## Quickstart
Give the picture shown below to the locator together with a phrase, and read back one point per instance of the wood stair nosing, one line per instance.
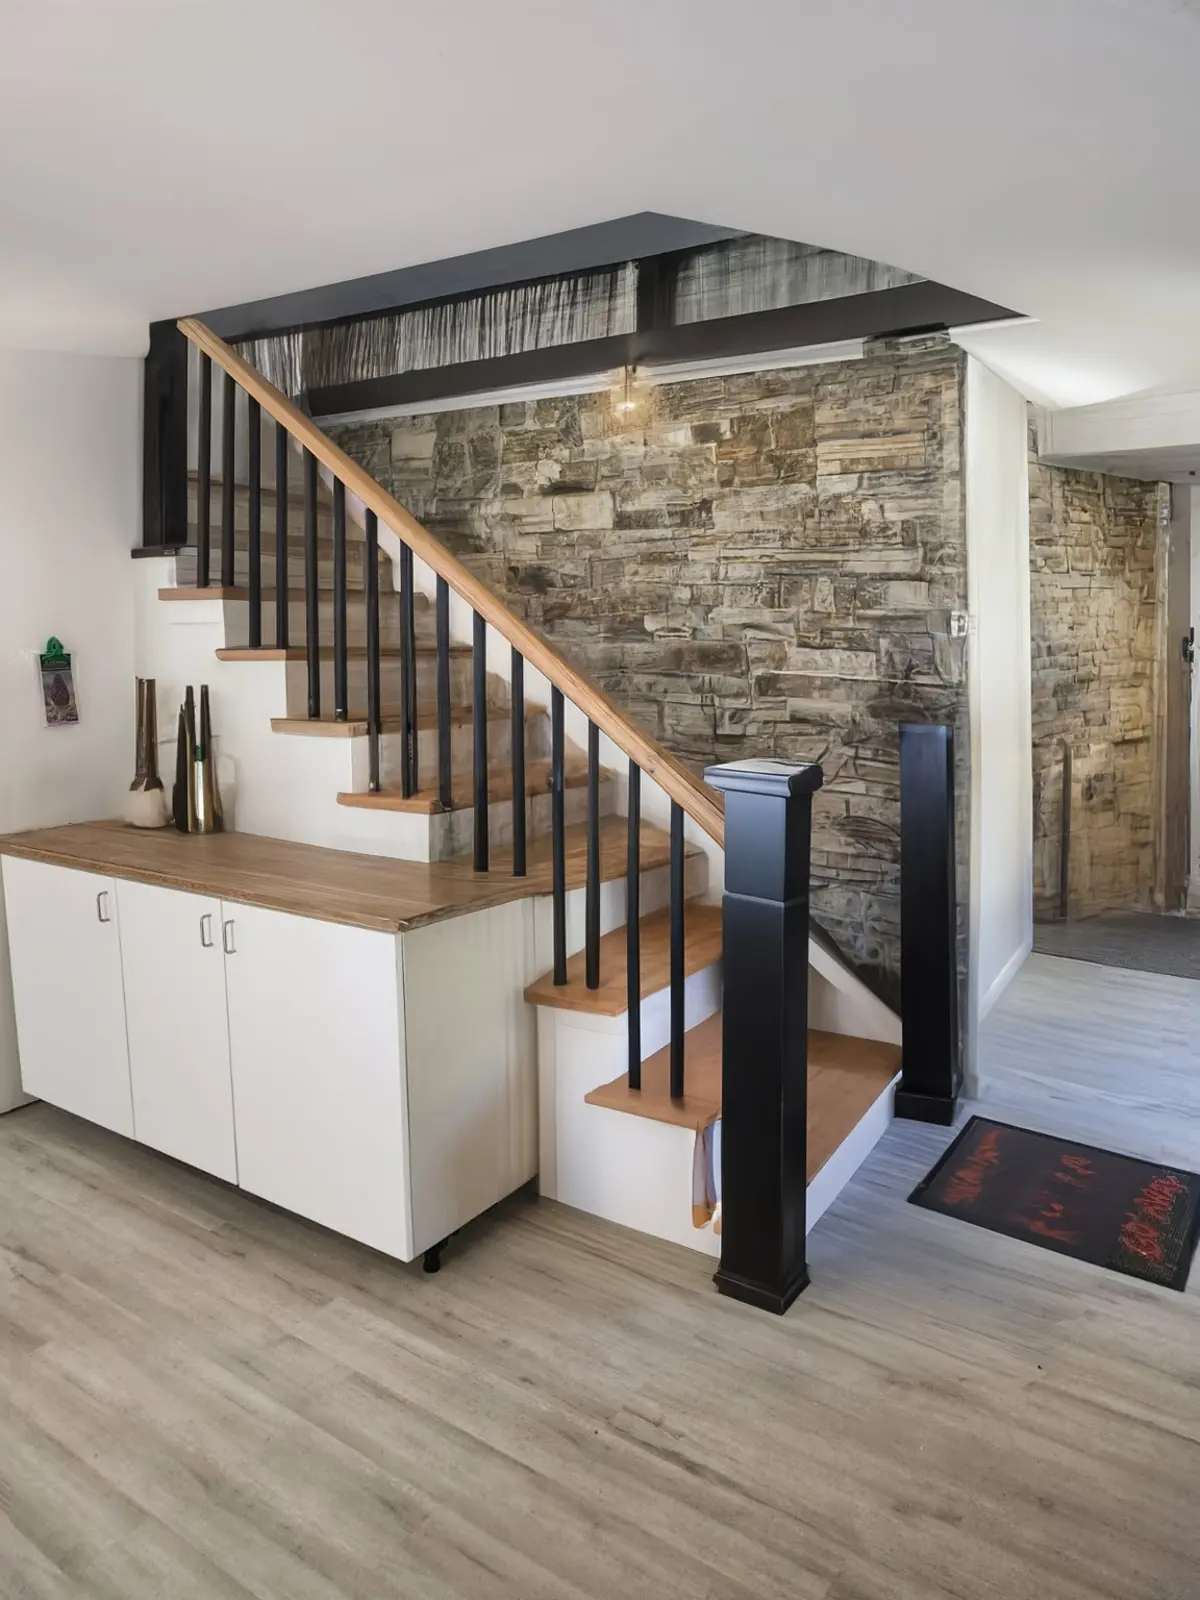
(702, 946)
(462, 797)
(846, 1076)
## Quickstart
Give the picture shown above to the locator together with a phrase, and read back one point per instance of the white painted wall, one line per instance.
(1193, 900)
(997, 511)
(70, 487)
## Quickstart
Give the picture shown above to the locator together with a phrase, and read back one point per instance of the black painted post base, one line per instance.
(916, 1107)
(754, 1294)
(764, 1069)
(931, 1075)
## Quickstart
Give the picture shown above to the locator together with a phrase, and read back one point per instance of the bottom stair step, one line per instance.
(846, 1076)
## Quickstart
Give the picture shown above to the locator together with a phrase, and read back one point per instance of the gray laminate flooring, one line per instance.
(200, 1397)
(1139, 940)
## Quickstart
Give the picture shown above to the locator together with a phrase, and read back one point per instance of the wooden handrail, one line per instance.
(697, 799)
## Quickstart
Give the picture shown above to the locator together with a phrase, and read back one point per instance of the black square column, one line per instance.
(764, 1107)
(931, 1075)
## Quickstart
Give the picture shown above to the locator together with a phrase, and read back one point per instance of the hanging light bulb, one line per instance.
(627, 401)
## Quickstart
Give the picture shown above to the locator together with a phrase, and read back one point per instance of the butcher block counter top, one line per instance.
(361, 891)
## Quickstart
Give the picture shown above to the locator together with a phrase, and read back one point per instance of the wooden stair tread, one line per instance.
(462, 796)
(354, 652)
(846, 1076)
(702, 946)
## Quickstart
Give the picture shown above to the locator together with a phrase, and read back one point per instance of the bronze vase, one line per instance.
(146, 806)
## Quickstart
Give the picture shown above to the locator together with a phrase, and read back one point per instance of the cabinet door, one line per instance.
(178, 1026)
(318, 1075)
(65, 951)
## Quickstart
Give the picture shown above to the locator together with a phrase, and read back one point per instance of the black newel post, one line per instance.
(164, 439)
(764, 1128)
(932, 1070)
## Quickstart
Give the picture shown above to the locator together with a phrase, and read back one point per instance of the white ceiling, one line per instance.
(160, 156)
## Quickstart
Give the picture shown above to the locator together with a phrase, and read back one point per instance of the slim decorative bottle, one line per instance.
(206, 796)
(146, 806)
(185, 750)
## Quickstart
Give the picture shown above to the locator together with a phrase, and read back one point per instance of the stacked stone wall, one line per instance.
(1095, 608)
(755, 565)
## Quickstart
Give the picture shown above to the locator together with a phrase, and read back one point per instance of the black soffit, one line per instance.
(901, 312)
(555, 255)
(658, 243)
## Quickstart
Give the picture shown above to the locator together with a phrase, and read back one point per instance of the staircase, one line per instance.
(382, 701)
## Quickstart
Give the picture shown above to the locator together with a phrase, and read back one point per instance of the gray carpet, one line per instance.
(1137, 940)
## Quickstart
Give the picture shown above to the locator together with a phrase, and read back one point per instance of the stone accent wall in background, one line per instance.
(753, 565)
(1094, 595)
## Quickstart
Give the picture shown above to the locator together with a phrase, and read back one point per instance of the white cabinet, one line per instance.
(178, 1026)
(65, 952)
(317, 1042)
(382, 1084)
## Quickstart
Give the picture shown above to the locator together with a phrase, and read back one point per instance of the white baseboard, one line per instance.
(849, 1156)
(1005, 976)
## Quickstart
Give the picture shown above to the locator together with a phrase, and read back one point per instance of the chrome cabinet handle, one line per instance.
(102, 914)
(206, 934)
(227, 943)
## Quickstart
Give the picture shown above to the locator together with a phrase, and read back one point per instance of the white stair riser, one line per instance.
(237, 625)
(461, 685)
(187, 568)
(629, 1169)
(241, 516)
(462, 750)
(452, 833)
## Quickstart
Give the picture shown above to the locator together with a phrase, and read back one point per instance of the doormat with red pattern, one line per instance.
(1114, 1211)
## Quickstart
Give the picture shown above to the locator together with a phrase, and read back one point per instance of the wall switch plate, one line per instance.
(960, 624)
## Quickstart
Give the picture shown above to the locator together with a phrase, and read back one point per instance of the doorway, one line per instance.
(1112, 612)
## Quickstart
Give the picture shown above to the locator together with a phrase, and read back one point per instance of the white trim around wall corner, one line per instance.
(1004, 977)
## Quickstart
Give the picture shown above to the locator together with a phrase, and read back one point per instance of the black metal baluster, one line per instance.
(228, 419)
(479, 714)
(281, 537)
(677, 963)
(517, 737)
(204, 473)
(312, 623)
(254, 443)
(445, 737)
(341, 669)
(371, 572)
(633, 927)
(558, 835)
(591, 917)
(408, 639)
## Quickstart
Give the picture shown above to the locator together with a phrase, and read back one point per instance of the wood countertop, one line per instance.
(362, 891)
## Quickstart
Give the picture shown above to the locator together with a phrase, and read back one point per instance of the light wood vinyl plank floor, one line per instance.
(202, 1397)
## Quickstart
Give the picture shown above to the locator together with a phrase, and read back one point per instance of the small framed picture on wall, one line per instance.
(58, 686)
